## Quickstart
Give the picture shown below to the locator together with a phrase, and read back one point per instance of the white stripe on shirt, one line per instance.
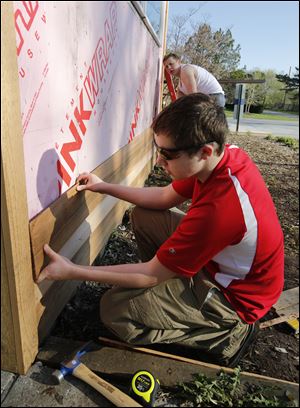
(235, 261)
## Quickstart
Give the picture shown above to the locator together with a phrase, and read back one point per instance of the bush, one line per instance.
(253, 108)
(229, 106)
(256, 109)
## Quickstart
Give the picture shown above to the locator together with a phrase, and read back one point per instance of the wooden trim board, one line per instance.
(19, 341)
(278, 320)
(122, 360)
(287, 308)
(288, 298)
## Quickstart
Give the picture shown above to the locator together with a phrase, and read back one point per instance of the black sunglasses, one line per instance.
(168, 153)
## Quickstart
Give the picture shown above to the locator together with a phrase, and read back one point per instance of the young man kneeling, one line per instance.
(208, 275)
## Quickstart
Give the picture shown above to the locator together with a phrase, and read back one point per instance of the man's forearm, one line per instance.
(126, 275)
(139, 275)
(147, 197)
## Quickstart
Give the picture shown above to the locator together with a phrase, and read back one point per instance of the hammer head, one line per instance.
(68, 365)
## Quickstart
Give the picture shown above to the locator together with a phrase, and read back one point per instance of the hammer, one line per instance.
(74, 366)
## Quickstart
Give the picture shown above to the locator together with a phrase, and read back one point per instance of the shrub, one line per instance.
(256, 109)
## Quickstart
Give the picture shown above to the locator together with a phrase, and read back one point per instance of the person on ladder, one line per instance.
(193, 78)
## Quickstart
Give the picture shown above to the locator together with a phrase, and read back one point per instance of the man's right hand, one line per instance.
(59, 267)
(88, 181)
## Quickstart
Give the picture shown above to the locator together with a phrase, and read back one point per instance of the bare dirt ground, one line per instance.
(275, 351)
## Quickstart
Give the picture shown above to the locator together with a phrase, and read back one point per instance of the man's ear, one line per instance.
(207, 151)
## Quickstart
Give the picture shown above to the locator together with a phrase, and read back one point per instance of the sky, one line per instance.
(267, 31)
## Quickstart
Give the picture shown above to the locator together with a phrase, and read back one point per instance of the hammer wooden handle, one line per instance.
(112, 393)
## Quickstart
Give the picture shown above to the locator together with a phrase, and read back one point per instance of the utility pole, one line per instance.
(239, 102)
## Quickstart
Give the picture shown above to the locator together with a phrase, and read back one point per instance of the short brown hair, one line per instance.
(171, 55)
(193, 120)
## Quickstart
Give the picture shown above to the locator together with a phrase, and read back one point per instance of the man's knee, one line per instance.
(111, 308)
(104, 307)
(138, 216)
(116, 314)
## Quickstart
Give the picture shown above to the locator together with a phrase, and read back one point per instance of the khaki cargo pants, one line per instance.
(188, 311)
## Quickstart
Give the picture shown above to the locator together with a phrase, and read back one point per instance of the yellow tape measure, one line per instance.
(144, 387)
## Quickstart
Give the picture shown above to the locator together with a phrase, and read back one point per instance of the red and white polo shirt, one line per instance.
(231, 229)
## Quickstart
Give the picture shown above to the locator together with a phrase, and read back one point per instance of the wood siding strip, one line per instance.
(60, 221)
(84, 231)
(85, 244)
(74, 247)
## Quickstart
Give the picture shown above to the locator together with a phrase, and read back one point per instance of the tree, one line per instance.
(255, 93)
(229, 89)
(291, 83)
(177, 37)
(273, 97)
(178, 32)
(291, 86)
(214, 51)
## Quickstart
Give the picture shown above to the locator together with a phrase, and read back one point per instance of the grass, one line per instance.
(263, 116)
(287, 141)
(283, 111)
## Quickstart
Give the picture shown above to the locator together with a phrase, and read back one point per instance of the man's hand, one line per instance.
(88, 181)
(59, 267)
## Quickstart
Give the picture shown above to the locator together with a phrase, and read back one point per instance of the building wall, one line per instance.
(82, 85)
(89, 75)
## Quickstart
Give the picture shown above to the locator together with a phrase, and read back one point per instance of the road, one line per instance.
(274, 127)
